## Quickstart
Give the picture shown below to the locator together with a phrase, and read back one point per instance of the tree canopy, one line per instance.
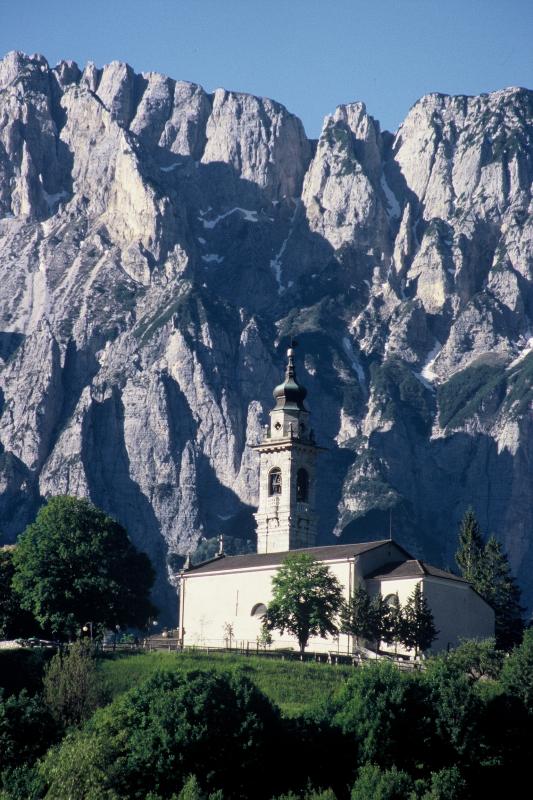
(486, 566)
(306, 599)
(14, 621)
(151, 738)
(357, 617)
(418, 628)
(470, 549)
(76, 564)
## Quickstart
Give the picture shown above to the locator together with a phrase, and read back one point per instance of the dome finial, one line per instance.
(289, 372)
(290, 394)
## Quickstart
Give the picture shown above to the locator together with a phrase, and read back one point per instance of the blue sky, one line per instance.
(310, 55)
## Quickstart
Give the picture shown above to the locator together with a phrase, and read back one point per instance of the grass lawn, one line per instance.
(292, 685)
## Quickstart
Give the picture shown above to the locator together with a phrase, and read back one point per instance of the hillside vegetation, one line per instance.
(229, 727)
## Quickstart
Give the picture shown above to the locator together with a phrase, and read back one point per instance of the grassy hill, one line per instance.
(292, 685)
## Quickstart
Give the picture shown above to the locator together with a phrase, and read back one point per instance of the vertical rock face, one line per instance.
(159, 246)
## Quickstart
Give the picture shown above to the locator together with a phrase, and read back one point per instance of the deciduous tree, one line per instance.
(72, 685)
(14, 621)
(306, 599)
(74, 564)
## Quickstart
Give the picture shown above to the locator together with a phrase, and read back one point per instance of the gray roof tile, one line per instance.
(251, 560)
(414, 568)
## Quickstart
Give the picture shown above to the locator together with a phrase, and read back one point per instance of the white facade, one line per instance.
(458, 611)
(231, 591)
(222, 601)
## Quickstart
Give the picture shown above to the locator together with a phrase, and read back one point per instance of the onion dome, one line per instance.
(290, 394)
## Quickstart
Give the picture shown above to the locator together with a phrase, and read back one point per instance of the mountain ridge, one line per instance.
(159, 245)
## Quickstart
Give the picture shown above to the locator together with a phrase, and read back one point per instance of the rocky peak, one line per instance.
(160, 245)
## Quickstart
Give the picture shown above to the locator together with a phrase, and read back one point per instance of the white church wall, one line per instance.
(459, 612)
(213, 601)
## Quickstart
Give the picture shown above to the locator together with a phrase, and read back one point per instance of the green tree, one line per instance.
(487, 568)
(470, 550)
(357, 616)
(374, 783)
(477, 658)
(375, 707)
(517, 672)
(72, 685)
(14, 621)
(385, 619)
(74, 564)
(418, 628)
(456, 711)
(153, 737)
(306, 599)
(498, 587)
(365, 617)
(446, 784)
(392, 621)
(26, 729)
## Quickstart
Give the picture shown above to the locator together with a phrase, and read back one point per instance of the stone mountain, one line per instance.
(159, 245)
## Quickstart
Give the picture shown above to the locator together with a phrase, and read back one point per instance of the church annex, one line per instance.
(222, 600)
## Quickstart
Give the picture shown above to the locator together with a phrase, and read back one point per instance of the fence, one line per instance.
(246, 648)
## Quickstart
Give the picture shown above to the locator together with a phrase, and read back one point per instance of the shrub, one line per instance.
(517, 672)
(152, 738)
(71, 683)
(391, 784)
(26, 729)
(376, 707)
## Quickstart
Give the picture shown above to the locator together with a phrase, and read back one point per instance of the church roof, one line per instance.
(413, 568)
(327, 553)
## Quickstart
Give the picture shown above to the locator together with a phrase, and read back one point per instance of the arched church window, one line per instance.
(302, 485)
(259, 610)
(274, 481)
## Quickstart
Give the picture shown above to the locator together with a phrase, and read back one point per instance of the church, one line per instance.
(222, 600)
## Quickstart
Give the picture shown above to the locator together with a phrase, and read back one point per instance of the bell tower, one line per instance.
(286, 518)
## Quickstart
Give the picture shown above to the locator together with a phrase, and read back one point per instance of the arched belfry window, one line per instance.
(302, 485)
(274, 481)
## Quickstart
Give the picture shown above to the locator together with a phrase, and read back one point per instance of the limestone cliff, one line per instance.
(159, 245)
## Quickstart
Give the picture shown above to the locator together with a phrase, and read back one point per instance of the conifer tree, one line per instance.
(487, 568)
(470, 551)
(393, 621)
(498, 587)
(357, 617)
(365, 617)
(418, 628)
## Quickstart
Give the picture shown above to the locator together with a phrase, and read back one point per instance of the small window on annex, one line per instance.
(274, 481)
(259, 610)
(302, 486)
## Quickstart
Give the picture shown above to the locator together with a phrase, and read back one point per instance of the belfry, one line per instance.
(286, 518)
